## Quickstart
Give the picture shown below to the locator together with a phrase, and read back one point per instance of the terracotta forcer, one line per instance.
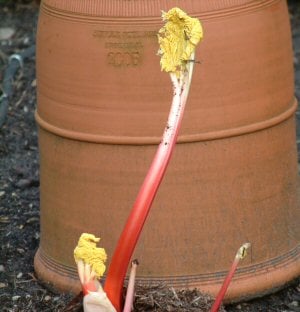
(102, 106)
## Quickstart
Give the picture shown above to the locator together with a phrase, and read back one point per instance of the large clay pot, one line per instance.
(102, 107)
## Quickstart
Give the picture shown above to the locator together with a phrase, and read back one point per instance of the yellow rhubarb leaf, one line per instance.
(177, 40)
(88, 252)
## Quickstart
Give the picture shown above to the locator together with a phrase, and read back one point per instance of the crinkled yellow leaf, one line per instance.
(178, 39)
(88, 251)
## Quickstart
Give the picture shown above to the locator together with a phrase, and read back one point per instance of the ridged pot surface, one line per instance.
(102, 107)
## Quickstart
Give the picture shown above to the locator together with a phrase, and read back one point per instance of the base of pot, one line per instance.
(248, 283)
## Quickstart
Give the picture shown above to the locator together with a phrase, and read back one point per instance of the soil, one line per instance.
(19, 192)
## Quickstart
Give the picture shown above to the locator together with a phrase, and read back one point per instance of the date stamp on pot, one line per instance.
(123, 59)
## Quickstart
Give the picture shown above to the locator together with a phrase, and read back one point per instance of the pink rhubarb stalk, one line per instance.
(241, 254)
(130, 289)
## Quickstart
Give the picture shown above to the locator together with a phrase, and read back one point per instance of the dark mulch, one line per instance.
(19, 194)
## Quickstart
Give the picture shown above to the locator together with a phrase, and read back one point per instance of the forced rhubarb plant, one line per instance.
(241, 254)
(90, 262)
(177, 40)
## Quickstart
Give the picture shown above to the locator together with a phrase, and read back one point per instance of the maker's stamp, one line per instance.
(125, 48)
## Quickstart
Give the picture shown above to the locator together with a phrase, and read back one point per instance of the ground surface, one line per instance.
(19, 190)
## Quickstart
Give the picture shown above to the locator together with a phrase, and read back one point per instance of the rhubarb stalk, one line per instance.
(130, 289)
(177, 39)
(241, 254)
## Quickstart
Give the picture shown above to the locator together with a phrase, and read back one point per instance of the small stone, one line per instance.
(23, 183)
(47, 298)
(3, 285)
(239, 307)
(19, 275)
(15, 298)
(2, 268)
(4, 219)
(26, 40)
(2, 193)
(6, 33)
(32, 220)
(294, 303)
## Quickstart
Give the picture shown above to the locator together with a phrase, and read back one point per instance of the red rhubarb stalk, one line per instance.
(135, 222)
(177, 44)
(241, 254)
